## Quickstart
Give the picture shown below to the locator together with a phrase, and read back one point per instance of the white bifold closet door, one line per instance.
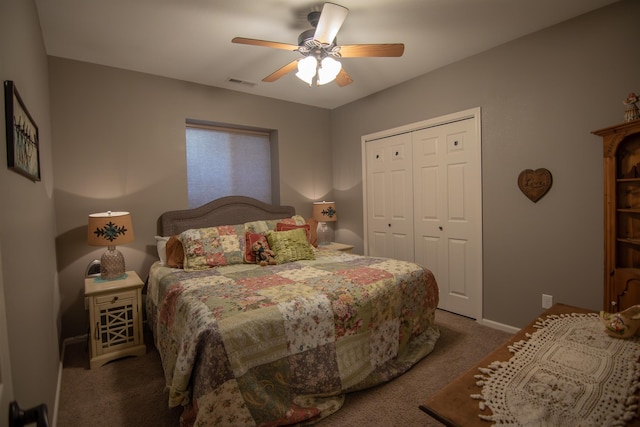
(390, 198)
(424, 204)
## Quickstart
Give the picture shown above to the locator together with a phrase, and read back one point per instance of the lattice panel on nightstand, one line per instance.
(117, 325)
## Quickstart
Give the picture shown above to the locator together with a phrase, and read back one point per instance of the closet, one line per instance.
(621, 161)
(423, 203)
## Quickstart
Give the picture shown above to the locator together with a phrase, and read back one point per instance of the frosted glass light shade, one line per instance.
(307, 69)
(328, 70)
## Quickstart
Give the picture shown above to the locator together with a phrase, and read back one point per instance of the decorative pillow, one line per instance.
(249, 240)
(296, 219)
(283, 226)
(175, 252)
(270, 224)
(161, 243)
(261, 227)
(211, 247)
(290, 245)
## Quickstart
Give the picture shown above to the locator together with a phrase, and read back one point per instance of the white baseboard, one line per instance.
(499, 326)
(65, 343)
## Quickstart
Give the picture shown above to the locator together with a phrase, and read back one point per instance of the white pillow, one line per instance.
(161, 243)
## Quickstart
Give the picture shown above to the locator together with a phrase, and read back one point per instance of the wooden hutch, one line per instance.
(621, 215)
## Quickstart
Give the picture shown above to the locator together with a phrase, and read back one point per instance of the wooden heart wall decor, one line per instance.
(534, 183)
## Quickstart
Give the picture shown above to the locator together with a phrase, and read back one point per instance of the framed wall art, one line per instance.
(23, 149)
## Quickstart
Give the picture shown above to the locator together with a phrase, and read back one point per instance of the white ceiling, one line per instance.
(191, 39)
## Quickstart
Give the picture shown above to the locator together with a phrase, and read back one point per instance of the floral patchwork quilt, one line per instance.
(246, 345)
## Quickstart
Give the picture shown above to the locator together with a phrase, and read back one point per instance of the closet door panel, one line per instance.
(400, 183)
(429, 248)
(390, 198)
(448, 212)
(378, 202)
(457, 256)
(427, 207)
(378, 244)
(456, 202)
(430, 198)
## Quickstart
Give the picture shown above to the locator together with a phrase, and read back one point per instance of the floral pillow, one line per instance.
(270, 224)
(211, 247)
(290, 245)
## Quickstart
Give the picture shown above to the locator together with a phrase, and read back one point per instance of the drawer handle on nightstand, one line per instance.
(115, 298)
(96, 336)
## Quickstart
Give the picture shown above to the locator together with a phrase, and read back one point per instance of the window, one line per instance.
(230, 162)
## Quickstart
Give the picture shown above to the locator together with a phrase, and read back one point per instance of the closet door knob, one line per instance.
(440, 228)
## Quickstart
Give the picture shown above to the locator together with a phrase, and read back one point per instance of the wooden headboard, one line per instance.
(224, 211)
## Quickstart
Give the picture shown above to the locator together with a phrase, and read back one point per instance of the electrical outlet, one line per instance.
(547, 301)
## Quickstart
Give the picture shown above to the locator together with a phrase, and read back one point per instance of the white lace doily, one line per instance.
(567, 373)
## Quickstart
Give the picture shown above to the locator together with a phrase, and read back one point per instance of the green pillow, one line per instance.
(290, 245)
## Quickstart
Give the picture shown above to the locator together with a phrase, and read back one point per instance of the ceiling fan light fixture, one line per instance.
(329, 69)
(307, 69)
(320, 43)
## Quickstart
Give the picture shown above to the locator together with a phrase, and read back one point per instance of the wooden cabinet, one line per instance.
(115, 318)
(621, 153)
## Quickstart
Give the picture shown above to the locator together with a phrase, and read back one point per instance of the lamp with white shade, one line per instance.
(324, 212)
(110, 229)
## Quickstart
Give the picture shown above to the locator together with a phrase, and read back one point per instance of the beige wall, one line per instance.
(120, 145)
(28, 282)
(540, 96)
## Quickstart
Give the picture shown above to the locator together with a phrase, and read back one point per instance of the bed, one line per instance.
(245, 344)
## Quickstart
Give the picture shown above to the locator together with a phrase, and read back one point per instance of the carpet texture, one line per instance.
(131, 392)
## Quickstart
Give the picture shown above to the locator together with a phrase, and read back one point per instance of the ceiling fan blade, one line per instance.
(265, 43)
(372, 50)
(343, 78)
(291, 66)
(331, 19)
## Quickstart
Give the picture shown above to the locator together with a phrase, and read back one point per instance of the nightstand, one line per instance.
(335, 246)
(115, 318)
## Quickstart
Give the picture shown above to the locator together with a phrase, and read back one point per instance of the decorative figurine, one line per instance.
(631, 111)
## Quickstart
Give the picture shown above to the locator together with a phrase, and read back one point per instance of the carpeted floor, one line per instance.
(130, 392)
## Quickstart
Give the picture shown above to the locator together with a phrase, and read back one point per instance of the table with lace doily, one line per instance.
(453, 405)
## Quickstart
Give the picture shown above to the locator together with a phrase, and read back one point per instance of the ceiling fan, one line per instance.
(321, 51)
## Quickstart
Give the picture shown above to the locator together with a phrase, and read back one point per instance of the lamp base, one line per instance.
(324, 234)
(111, 264)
